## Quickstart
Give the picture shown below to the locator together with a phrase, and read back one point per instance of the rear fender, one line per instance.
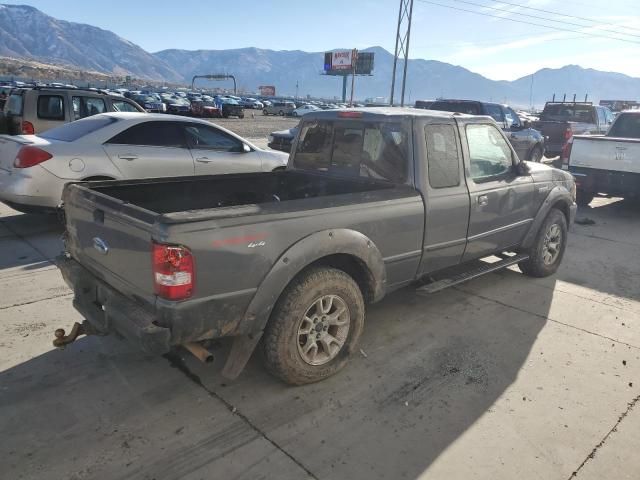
(302, 254)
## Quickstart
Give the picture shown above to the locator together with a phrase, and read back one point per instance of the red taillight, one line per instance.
(27, 128)
(566, 153)
(568, 133)
(173, 272)
(30, 156)
(350, 114)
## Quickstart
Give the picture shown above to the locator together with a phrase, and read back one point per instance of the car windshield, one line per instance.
(568, 113)
(73, 131)
(626, 126)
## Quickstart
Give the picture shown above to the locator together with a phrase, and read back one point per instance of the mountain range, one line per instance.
(27, 33)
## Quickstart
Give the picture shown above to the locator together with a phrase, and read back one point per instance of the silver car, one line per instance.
(118, 146)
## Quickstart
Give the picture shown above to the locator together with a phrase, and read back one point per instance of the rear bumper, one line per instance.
(611, 182)
(32, 187)
(111, 312)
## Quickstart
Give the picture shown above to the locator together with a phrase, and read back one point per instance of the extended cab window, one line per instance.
(51, 107)
(371, 150)
(626, 126)
(14, 104)
(122, 106)
(442, 156)
(489, 154)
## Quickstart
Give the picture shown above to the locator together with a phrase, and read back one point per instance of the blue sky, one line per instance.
(494, 47)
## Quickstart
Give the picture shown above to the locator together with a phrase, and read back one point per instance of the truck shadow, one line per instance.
(428, 368)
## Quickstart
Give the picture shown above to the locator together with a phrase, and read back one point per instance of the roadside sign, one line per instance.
(342, 59)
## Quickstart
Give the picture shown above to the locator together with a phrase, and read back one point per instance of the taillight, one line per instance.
(350, 114)
(173, 272)
(30, 156)
(566, 153)
(27, 128)
(568, 133)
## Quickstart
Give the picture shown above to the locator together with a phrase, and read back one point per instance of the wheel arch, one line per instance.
(558, 198)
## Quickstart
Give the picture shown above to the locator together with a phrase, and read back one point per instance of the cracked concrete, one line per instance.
(503, 377)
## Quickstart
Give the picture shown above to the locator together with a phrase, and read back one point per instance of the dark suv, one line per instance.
(526, 141)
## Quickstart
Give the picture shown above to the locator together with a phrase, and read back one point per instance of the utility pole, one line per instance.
(296, 89)
(403, 34)
(354, 59)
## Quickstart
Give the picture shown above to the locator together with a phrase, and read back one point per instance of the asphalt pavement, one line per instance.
(504, 377)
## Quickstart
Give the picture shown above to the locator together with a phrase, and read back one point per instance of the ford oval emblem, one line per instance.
(100, 245)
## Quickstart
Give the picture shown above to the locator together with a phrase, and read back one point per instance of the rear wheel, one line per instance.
(314, 327)
(536, 154)
(264, 112)
(281, 113)
(548, 248)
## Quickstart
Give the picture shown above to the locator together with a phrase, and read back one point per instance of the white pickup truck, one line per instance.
(608, 164)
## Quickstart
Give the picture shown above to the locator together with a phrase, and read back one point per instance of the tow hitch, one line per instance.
(62, 340)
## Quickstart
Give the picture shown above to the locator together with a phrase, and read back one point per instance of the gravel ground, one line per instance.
(256, 126)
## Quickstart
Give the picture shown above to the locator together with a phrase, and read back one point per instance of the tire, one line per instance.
(536, 154)
(294, 114)
(539, 264)
(281, 113)
(241, 116)
(265, 113)
(297, 310)
(583, 198)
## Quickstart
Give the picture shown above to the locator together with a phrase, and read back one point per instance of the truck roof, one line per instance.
(368, 112)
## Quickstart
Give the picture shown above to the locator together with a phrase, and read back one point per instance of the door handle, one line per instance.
(483, 200)
(128, 156)
(203, 160)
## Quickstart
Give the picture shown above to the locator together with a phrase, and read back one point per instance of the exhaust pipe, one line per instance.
(198, 351)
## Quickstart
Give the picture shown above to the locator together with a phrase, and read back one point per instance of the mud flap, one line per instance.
(240, 354)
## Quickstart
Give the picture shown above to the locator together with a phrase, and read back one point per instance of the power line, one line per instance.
(566, 15)
(528, 23)
(539, 17)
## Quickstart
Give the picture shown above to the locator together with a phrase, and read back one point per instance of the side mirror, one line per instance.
(522, 169)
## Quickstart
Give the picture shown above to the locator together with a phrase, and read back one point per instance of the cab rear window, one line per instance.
(377, 150)
(14, 104)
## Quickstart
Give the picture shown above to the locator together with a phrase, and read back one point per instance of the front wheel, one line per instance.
(536, 154)
(545, 255)
(314, 327)
(294, 114)
(264, 112)
(281, 113)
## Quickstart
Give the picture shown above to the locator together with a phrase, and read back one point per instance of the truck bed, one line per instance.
(206, 192)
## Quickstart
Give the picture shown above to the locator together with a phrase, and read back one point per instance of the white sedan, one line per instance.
(118, 146)
(298, 112)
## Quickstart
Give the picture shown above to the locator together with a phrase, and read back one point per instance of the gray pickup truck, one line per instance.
(373, 200)
(559, 121)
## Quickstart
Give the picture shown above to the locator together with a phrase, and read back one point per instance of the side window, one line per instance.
(600, 112)
(489, 154)
(122, 106)
(87, 106)
(608, 116)
(51, 107)
(201, 136)
(442, 156)
(153, 134)
(495, 112)
(384, 152)
(513, 121)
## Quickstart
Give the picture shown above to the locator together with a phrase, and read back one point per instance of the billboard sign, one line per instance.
(363, 60)
(342, 59)
(267, 90)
